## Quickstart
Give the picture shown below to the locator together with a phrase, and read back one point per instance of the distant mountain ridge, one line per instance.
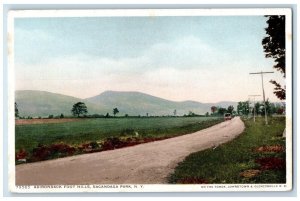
(42, 103)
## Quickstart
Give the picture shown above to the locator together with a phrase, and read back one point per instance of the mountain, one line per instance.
(134, 103)
(41, 103)
(137, 103)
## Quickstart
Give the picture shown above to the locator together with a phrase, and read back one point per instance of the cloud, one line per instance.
(186, 68)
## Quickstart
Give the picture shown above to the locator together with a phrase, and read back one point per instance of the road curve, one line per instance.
(148, 163)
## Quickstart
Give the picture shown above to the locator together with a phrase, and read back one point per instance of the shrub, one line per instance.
(21, 154)
(94, 145)
(43, 152)
(97, 116)
(112, 143)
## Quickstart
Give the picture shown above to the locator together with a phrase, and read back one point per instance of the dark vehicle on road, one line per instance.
(227, 116)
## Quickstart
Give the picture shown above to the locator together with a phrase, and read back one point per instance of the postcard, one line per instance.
(150, 100)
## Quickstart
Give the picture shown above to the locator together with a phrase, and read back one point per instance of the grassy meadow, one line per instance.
(86, 130)
(256, 156)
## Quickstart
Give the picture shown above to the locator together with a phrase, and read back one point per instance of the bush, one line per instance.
(50, 116)
(21, 154)
(43, 152)
(94, 145)
(112, 143)
(97, 116)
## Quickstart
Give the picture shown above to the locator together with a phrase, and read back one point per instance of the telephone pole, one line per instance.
(253, 105)
(262, 84)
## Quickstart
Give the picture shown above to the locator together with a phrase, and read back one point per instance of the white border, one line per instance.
(151, 12)
(289, 120)
(11, 100)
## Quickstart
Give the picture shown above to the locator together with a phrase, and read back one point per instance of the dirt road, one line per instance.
(45, 121)
(148, 163)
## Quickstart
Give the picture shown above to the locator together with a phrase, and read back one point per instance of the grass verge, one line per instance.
(256, 156)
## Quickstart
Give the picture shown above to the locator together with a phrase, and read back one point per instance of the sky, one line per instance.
(200, 58)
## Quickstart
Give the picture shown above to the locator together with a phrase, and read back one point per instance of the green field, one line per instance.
(256, 156)
(73, 133)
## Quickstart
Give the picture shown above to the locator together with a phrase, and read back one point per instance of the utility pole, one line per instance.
(253, 105)
(262, 84)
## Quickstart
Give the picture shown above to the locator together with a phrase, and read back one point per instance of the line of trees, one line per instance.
(220, 111)
(244, 108)
(79, 109)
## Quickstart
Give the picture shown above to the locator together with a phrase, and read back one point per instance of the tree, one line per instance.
(213, 109)
(279, 109)
(274, 47)
(270, 108)
(16, 110)
(175, 112)
(222, 110)
(115, 111)
(243, 108)
(78, 109)
(191, 114)
(230, 109)
(258, 107)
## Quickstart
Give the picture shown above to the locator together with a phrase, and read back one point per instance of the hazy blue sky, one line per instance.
(206, 59)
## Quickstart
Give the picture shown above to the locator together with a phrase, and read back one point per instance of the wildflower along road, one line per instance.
(148, 163)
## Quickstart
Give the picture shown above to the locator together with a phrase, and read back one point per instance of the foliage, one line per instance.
(243, 108)
(97, 116)
(227, 162)
(274, 47)
(115, 111)
(16, 110)
(94, 145)
(213, 109)
(191, 114)
(222, 110)
(230, 109)
(79, 108)
(43, 152)
(271, 108)
(257, 106)
(278, 90)
(61, 116)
